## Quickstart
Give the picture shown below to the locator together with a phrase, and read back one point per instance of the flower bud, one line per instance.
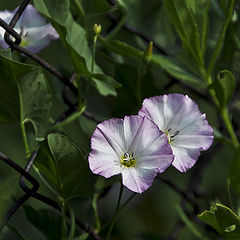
(148, 53)
(97, 29)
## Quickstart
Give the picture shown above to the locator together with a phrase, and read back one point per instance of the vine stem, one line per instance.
(114, 219)
(224, 114)
(228, 123)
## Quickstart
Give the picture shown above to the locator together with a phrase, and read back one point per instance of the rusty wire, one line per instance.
(24, 173)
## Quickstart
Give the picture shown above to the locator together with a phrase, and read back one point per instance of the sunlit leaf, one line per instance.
(223, 220)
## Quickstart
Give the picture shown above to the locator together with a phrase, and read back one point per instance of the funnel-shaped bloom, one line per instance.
(133, 147)
(32, 27)
(186, 127)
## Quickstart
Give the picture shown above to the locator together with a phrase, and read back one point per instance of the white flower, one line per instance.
(133, 147)
(186, 127)
(32, 27)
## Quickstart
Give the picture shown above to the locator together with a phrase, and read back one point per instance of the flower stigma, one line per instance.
(128, 160)
(171, 137)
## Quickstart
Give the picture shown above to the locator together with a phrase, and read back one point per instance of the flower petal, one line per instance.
(5, 16)
(159, 162)
(180, 116)
(104, 164)
(108, 137)
(140, 134)
(39, 37)
(185, 158)
(138, 180)
(173, 111)
(31, 17)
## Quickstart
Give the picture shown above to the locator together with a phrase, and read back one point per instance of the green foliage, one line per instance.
(223, 220)
(35, 101)
(63, 164)
(193, 40)
(73, 37)
(172, 66)
(181, 14)
(224, 87)
(46, 221)
(234, 172)
(11, 72)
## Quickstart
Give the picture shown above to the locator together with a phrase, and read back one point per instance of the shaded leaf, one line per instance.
(234, 172)
(181, 15)
(224, 87)
(35, 101)
(64, 166)
(46, 221)
(11, 72)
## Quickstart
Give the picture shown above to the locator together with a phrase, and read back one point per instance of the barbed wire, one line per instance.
(72, 107)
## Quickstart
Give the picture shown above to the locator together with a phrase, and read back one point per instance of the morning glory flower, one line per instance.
(186, 127)
(32, 27)
(133, 147)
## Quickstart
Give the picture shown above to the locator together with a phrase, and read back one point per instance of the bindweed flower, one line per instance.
(186, 127)
(133, 147)
(32, 27)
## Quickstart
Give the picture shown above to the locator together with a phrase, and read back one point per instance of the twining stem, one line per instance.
(229, 126)
(127, 201)
(224, 114)
(118, 27)
(114, 219)
(229, 194)
(93, 53)
(72, 229)
(24, 136)
(64, 225)
(94, 205)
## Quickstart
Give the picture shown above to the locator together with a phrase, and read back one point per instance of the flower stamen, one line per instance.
(128, 160)
(171, 137)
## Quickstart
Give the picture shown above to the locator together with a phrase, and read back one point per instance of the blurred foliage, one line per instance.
(196, 52)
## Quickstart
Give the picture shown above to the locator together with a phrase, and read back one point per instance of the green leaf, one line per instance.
(35, 101)
(221, 37)
(11, 72)
(200, 13)
(73, 37)
(224, 87)
(46, 221)
(181, 15)
(170, 65)
(234, 172)
(64, 166)
(95, 6)
(25, 97)
(223, 220)
(16, 232)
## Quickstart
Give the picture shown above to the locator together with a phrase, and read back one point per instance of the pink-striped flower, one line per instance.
(186, 127)
(36, 34)
(133, 147)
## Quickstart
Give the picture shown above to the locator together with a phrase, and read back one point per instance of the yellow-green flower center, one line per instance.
(128, 160)
(23, 43)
